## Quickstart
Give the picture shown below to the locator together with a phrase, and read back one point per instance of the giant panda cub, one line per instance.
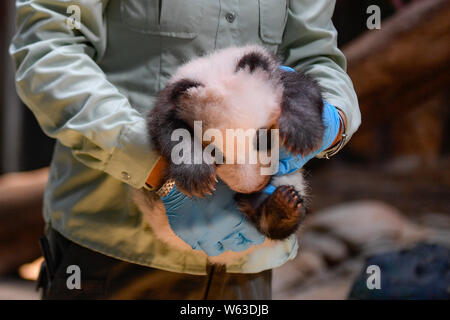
(237, 88)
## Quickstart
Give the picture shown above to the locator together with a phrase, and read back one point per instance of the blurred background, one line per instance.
(384, 199)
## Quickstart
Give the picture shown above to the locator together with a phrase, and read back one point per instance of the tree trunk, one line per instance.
(398, 68)
(21, 197)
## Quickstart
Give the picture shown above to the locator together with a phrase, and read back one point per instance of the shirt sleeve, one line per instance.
(310, 45)
(58, 78)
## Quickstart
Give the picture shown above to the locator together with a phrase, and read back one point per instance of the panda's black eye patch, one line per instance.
(180, 87)
(263, 139)
(253, 61)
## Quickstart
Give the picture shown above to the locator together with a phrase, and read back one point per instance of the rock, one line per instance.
(285, 277)
(335, 289)
(333, 283)
(309, 262)
(439, 228)
(367, 226)
(332, 249)
(418, 273)
(435, 220)
(304, 266)
(439, 236)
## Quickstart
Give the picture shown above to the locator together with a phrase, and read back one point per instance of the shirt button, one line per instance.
(125, 175)
(230, 16)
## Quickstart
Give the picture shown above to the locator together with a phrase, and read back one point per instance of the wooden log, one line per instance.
(21, 198)
(411, 188)
(399, 68)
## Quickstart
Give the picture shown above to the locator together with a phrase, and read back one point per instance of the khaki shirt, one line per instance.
(90, 88)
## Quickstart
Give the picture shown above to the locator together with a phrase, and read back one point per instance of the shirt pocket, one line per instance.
(272, 20)
(174, 18)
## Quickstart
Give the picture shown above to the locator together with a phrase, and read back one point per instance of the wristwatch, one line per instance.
(340, 140)
(166, 188)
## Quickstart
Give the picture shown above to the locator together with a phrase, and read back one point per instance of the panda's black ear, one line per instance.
(178, 88)
(254, 60)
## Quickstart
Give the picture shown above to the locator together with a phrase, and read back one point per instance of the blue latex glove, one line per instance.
(213, 224)
(286, 68)
(290, 163)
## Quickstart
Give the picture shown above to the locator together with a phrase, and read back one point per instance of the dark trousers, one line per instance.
(103, 277)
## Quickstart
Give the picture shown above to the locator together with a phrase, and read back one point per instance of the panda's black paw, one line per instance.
(195, 180)
(301, 126)
(282, 213)
(296, 141)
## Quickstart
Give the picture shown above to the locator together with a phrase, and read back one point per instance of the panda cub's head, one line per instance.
(238, 88)
(240, 95)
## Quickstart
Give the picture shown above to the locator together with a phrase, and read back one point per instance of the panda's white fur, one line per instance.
(226, 100)
(234, 100)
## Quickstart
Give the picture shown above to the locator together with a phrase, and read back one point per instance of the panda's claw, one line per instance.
(282, 213)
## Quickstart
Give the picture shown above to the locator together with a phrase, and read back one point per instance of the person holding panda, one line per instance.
(90, 84)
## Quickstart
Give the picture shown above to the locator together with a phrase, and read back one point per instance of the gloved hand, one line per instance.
(290, 163)
(213, 224)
